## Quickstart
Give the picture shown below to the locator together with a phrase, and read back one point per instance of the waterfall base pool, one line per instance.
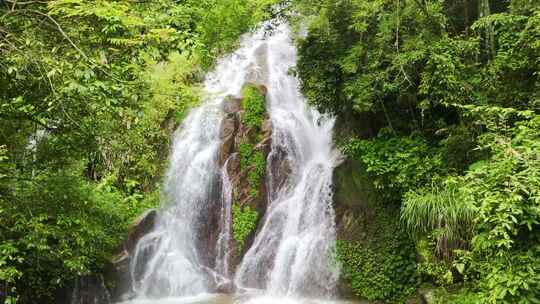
(238, 299)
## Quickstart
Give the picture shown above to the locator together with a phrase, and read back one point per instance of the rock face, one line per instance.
(371, 227)
(141, 226)
(117, 272)
(350, 205)
(229, 127)
(351, 202)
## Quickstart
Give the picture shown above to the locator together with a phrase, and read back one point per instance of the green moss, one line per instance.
(379, 260)
(382, 269)
(244, 222)
(252, 162)
(457, 295)
(245, 150)
(250, 158)
(377, 257)
(254, 107)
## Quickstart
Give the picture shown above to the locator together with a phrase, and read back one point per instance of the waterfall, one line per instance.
(223, 243)
(291, 253)
(172, 260)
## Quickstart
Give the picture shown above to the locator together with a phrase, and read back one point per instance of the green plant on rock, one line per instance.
(244, 221)
(254, 162)
(381, 267)
(245, 151)
(254, 106)
(252, 159)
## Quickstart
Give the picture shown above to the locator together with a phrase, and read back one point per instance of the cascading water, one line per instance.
(290, 255)
(168, 261)
(222, 247)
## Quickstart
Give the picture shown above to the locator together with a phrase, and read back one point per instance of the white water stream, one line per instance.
(290, 256)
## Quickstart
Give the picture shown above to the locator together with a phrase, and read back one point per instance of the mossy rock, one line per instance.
(254, 105)
(353, 197)
(377, 256)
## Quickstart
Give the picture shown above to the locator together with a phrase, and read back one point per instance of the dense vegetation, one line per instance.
(440, 102)
(252, 165)
(252, 158)
(244, 222)
(381, 266)
(91, 92)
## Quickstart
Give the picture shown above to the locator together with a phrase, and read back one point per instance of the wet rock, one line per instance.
(232, 104)
(141, 226)
(208, 233)
(117, 271)
(280, 168)
(227, 136)
(225, 287)
(117, 275)
(351, 198)
(263, 89)
(267, 127)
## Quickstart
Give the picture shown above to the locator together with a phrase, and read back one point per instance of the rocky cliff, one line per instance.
(246, 135)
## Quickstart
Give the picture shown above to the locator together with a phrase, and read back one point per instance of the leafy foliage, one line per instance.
(441, 211)
(396, 164)
(254, 106)
(91, 94)
(383, 267)
(506, 189)
(252, 159)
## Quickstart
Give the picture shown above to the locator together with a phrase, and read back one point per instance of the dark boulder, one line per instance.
(140, 227)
